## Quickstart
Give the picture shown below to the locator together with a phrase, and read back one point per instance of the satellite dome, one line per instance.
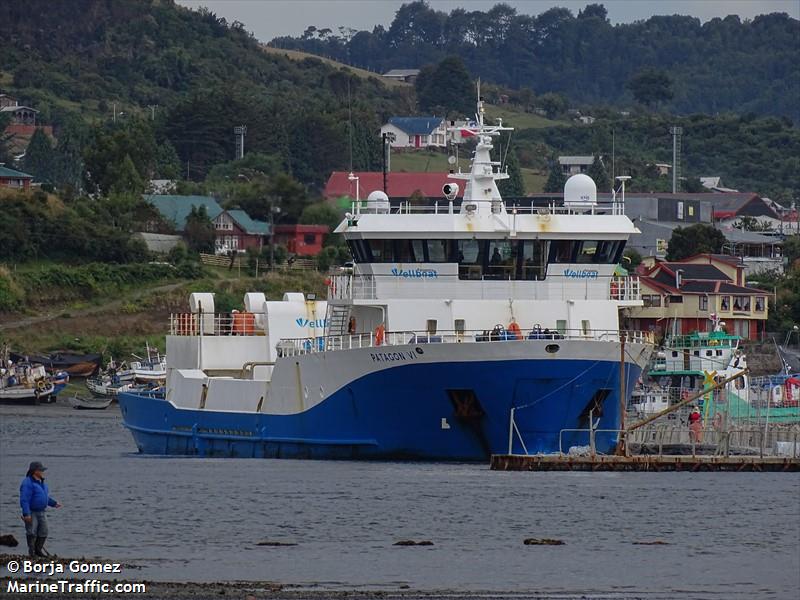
(378, 202)
(580, 190)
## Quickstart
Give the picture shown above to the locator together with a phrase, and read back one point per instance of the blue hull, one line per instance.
(431, 411)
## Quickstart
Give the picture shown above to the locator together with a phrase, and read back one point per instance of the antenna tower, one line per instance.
(676, 132)
(239, 132)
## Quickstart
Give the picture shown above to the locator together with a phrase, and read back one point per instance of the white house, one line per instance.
(417, 132)
(407, 75)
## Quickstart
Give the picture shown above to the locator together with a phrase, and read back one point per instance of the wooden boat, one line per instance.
(80, 403)
(77, 365)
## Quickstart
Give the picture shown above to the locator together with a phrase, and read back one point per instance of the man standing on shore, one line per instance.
(34, 498)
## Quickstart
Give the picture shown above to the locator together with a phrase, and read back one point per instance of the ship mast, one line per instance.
(480, 193)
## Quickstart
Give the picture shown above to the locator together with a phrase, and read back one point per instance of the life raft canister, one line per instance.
(244, 323)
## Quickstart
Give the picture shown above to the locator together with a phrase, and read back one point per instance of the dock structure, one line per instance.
(689, 463)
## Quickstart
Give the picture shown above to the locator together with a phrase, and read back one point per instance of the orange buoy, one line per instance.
(380, 335)
(514, 330)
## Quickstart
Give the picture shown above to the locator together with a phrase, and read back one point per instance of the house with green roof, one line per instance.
(175, 209)
(237, 232)
(16, 180)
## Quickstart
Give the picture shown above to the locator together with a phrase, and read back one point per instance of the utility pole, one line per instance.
(676, 153)
(383, 161)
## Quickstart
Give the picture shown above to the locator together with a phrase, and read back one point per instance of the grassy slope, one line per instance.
(121, 325)
(363, 73)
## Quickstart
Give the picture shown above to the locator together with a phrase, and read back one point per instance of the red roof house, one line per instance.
(399, 185)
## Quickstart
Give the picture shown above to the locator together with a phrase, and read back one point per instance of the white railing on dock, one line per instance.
(299, 346)
(351, 286)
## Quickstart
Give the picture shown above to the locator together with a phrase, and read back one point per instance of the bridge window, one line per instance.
(533, 259)
(409, 251)
(470, 261)
(563, 251)
(438, 251)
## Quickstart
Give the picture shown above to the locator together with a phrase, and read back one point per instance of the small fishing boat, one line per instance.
(59, 379)
(108, 386)
(80, 403)
(24, 382)
(153, 369)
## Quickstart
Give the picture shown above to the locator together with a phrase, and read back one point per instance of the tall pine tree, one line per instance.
(39, 157)
(555, 179)
(514, 186)
(598, 173)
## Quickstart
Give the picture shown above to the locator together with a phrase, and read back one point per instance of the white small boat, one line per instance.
(24, 382)
(150, 371)
(107, 387)
(80, 403)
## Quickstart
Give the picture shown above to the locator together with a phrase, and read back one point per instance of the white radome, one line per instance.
(378, 202)
(580, 190)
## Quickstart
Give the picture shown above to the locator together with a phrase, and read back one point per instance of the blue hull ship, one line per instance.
(461, 329)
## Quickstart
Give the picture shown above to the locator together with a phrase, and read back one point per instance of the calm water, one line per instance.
(728, 535)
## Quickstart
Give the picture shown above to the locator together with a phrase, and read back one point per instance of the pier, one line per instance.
(680, 462)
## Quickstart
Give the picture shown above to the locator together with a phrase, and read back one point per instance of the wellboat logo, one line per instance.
(584, 274)
(415, 273)
(315, 323)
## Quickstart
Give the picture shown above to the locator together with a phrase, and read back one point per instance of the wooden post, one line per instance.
(622, 448)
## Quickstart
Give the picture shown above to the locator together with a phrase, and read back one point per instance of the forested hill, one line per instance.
(721, 65)
(196, 74)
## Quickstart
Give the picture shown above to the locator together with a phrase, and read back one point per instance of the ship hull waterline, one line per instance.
(442, 409)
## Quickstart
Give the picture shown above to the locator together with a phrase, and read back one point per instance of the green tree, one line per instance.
(693, 185)
(695, 239)
(650, 86)
(552, 104)
(321, 213)
(125, 178)
(634, 258)
(199, 230)
(597, 171)
(555, 179)
(39, 157)
(514, 186)
(446, 89)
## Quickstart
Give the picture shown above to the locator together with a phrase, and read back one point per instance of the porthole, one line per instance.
(552, 348)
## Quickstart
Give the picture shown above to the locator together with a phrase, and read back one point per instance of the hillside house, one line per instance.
(406, 75)
(417, 132)
(16, 180)
(302, 240)
(400, 186)
(572, 165)
(175, 209)
(681, 296)
(237, 232)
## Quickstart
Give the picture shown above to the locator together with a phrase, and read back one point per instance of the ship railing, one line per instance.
(443, 207)
(389, 339)
(428, 283)
(210, 324)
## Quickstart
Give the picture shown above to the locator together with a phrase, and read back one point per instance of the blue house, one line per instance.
(416, 132)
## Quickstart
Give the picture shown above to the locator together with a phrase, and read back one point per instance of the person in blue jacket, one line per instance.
(34, 498)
